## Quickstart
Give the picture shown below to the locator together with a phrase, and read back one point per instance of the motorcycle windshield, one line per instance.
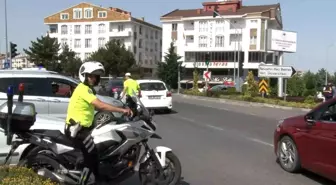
(144, 109)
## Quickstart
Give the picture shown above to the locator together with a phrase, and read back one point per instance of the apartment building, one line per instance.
(18, 62)
(86, 27)
(238, 34)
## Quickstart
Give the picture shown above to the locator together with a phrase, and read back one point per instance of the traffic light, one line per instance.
(215, 12)
(13, 50)
(207, 58)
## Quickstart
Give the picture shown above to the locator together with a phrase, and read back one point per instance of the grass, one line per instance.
(308, 103)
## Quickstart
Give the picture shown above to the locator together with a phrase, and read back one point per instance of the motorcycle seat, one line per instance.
(55, 135)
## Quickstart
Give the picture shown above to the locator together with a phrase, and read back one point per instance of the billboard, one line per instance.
(280, 40)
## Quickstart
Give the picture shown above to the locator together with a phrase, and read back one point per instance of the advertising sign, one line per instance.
(279, 40)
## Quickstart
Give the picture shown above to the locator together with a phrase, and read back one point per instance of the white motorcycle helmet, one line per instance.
(91, 67)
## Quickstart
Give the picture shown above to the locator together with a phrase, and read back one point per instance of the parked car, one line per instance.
(308, 141)
(155, 95)
(49, 91)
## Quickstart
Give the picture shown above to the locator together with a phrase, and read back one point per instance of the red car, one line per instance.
(308, 141)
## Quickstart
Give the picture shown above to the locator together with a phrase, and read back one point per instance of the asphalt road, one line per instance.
(226, 145)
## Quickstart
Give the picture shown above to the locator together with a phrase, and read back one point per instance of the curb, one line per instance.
(241, 103)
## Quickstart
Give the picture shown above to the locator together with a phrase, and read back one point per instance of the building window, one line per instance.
(77, 43)
(64, 16)
(88, 29)
(140, 30)
(64, 29)
(88, 43)
(77, 29)
(156, 46)
(102, 14)
(64, 42)
(87, 55)
(202, 43)
(254, 21)
(174, 27)
(253, 40)
(77, 13)
(140, 43)
(156, 34)
(219, 42)
(78, 55)
(203, 26)
(120, 28)
(101, 42)
(220, 26)
(101, 28)
(88, 13)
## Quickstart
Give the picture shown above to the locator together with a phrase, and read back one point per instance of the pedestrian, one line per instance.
(328, 91)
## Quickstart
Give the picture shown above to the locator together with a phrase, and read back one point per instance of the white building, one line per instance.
(196, 32)
(19, 61)
(86, 27)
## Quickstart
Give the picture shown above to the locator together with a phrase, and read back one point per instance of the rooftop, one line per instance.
(233, 7)
(112, 15)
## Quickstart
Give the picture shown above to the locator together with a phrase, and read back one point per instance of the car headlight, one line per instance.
(280, 122)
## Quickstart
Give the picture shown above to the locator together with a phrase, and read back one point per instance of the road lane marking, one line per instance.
(260, 142)
(184, 118)
(214, 127)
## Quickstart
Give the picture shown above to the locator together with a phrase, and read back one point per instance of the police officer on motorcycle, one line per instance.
(80, 116)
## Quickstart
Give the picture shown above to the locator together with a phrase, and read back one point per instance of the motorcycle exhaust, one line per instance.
(59, 178)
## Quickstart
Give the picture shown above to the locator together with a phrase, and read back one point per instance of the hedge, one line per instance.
(10, 175)
(308, 103)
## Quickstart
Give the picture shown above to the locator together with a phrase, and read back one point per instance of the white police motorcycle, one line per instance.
(119, 143)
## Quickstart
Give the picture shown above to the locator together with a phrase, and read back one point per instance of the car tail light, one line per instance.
(169, 94)
(114, 89)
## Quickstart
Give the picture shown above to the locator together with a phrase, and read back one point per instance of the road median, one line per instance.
(236, 100)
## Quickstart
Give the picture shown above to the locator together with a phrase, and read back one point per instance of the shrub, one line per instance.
(231, 90)
(309, 100)
(21, 175)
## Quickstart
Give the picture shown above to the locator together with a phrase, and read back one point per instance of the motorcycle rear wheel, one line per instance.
(35, 162)
(149, 175)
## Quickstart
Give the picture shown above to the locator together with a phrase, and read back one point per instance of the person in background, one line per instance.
(130, 85)
(328, 91)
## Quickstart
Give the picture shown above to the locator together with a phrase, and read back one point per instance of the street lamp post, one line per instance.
(179, 76)
(235, 49)
(327, 57)
(6, 34)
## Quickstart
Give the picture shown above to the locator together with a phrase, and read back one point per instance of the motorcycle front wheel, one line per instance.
(150, 175)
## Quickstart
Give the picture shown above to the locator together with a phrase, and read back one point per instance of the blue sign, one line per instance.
(7, 64)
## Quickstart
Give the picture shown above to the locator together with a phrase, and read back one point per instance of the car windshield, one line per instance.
(157, 86)
(116, 83)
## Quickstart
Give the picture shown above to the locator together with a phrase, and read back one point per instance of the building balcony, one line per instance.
(120, 34)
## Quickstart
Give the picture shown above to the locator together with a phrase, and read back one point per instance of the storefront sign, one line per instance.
(216, 64)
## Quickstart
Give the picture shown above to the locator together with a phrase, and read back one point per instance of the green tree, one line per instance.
(70, 63)
(116, 59)
(320, 78)
(295, 86)
(310, 83)
(167, 70)
(44, 51)
(195, 78)
(252, 85)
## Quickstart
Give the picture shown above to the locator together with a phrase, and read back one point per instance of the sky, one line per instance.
(313, 20)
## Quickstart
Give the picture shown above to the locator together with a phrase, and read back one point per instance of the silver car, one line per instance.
(49, 91)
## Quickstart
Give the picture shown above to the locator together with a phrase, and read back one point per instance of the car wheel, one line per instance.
(288, 155)
(168, 111)
(103, 117)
